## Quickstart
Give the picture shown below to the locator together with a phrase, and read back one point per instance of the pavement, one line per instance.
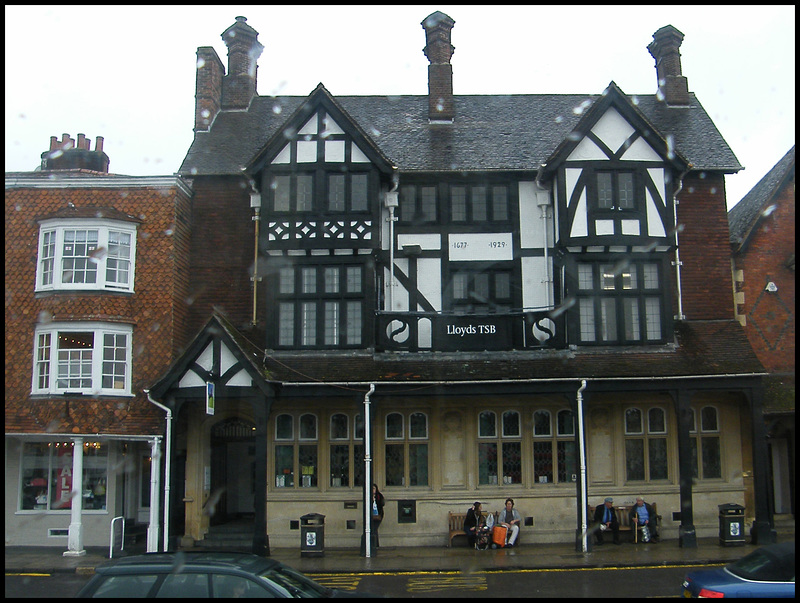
(531, 556)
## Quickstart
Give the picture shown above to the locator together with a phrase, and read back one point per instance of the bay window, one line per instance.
(85, 358)
(86, 254)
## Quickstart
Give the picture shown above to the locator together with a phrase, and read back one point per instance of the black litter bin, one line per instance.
(312, 535)
(731, 524)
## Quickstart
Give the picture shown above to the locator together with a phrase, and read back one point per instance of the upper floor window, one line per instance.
(620, 303)
(320, 306)
(418, 204)
(86, 254)
(615, 190)
(87, 358)
(339, 192)
(481, 290)
(477, 204)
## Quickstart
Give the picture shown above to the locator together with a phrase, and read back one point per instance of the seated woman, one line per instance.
(473, 523)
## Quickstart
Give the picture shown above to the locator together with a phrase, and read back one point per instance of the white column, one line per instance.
(155, 495)
(75, 537)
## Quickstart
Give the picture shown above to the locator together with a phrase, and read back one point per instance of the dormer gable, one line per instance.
(617, 176)
(613, 127)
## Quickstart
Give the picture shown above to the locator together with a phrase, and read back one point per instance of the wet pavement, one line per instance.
(21, 559)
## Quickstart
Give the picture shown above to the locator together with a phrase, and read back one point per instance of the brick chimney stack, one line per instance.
(439, 50)
(239, 85)
(66, 154)
(208, 95)
(664, 48)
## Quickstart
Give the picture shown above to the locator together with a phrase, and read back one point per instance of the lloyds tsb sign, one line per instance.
(474, 333)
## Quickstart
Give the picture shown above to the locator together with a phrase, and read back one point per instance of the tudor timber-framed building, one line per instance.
(497, 283)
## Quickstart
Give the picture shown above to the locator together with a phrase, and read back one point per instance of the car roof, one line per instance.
(189, 560)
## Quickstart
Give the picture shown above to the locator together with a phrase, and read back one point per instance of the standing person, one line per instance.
(378, 501)
(606, 519)
(511, 519)
(473, 522)
(644, 515)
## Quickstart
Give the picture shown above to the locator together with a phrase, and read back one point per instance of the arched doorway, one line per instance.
(233, 469)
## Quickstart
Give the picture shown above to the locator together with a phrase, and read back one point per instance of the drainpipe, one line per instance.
(368, 474)
(391, 203)
(543, 207)
(167, 463)
(255, 203)
(582, 460)
(677, 261)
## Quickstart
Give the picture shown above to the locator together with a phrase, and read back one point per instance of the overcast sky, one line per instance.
(127, 73)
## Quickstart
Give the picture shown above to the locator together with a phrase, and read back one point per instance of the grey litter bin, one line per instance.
(731, 524)
(312, 535)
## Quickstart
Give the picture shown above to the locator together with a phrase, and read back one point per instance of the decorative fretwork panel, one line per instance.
(319, 231)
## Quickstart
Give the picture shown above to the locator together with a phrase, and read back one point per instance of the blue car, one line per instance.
(766, 572)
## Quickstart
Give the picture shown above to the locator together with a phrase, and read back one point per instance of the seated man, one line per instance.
(510, 518)
(473, 522)
(643, 514)
(606, 519)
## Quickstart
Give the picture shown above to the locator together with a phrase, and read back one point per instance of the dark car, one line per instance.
(766, 572)
(203, 575)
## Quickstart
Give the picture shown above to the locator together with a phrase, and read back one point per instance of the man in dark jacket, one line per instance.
(644, 515)
(606, 519)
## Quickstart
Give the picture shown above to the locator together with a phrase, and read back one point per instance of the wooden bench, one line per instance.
(455, 524)
(626, 524)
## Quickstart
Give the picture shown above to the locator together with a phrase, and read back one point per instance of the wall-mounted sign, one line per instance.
(474, 333)
(471, 247)
(209, 398)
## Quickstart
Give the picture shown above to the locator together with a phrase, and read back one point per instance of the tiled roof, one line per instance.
(490, 132)
(692, 357)
(745, 214)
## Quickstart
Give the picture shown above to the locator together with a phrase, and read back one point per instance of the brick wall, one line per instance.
(222, 251)
(706, 281)
(770, 316)
(154, 310)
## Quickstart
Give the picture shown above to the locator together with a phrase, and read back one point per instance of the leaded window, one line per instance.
(499, 448)
(321, 306)
(553, 453)
(406, 449)
(708, 464)
(646, 444)
(296, 451)
(620, 303)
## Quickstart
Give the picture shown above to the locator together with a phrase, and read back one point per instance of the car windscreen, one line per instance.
(293, 583)
(763, 565)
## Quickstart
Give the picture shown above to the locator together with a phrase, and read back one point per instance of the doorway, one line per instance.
(233, 470)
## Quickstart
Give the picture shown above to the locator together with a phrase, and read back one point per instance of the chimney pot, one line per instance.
(98, 144)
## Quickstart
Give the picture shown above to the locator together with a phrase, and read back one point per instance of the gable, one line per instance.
(219, 355)
(614, 129)
(321, 137)
(319, 130)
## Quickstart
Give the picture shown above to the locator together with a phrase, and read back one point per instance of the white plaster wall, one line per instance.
(534, 285)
